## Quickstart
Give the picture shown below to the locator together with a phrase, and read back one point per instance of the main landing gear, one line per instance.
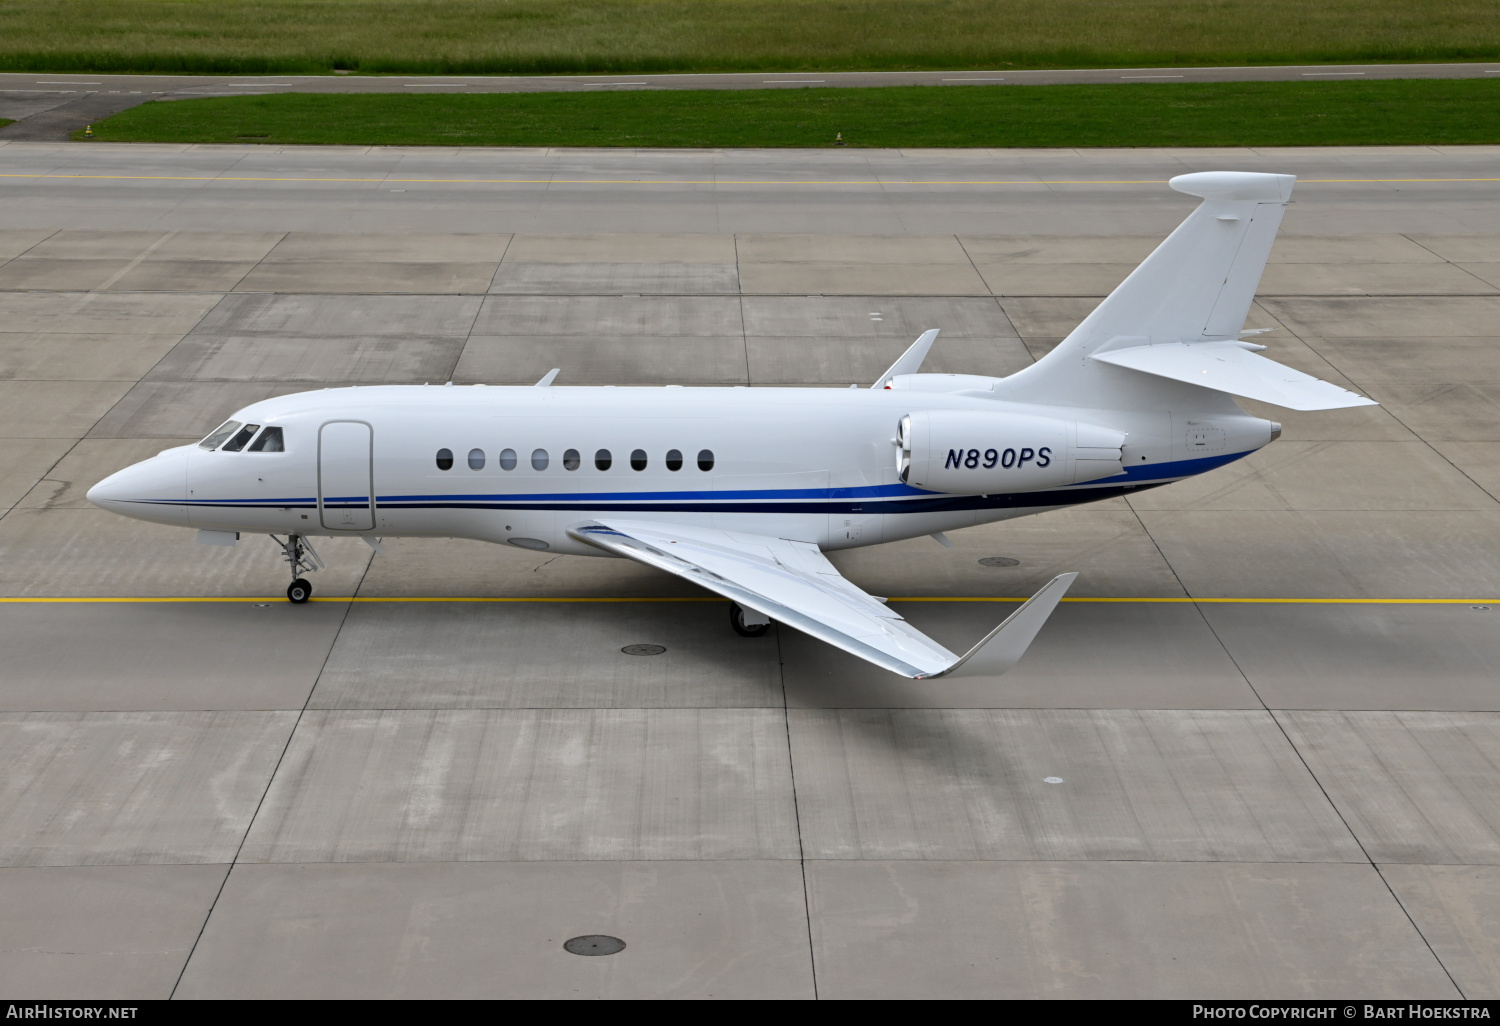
(299, 554)
(748, 623)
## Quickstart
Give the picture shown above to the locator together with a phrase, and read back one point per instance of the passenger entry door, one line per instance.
(346, 498)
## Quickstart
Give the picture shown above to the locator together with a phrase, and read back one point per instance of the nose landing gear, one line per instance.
(748, 623)
(300, 556)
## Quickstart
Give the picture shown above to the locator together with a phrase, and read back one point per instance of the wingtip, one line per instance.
(1004, 646)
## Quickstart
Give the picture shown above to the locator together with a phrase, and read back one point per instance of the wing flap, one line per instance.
(1229, 367)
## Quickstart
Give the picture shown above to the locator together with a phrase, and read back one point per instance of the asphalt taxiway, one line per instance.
(1256, 757)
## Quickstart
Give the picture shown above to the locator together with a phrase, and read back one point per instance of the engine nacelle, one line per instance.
(967, 452)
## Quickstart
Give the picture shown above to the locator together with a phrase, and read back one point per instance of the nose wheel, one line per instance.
(758, 623)
(302, 559)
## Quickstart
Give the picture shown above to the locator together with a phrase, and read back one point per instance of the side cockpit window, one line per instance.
(270, 440)
(220, 433)
(241, 436)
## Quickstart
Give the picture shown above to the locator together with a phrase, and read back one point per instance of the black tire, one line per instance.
(299, 591)
(737, 621)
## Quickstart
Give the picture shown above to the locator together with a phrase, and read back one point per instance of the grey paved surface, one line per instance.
(425, 798)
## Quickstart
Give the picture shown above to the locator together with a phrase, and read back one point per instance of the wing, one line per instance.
(793, 582)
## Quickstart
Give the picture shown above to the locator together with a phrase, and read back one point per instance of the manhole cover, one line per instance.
(638, 650)
(1482, 609)
(999, 561)
(595, 943)
(1052, 780)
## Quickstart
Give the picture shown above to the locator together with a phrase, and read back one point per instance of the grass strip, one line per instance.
(545, 36)
(1395, 112)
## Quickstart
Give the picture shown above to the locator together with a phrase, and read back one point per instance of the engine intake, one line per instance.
(965, 452)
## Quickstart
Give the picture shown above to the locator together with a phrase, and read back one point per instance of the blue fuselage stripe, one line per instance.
(896, 498)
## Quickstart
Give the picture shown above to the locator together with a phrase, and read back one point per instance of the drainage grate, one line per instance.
(999, 561)
(644, 650)
(594, 944)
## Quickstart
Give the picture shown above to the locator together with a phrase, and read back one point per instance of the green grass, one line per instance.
(1408, 111)
(529, 36)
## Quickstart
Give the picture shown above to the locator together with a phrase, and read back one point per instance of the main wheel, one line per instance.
(737, 621)
(299, 591)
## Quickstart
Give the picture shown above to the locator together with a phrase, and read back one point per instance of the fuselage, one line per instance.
(523, 465)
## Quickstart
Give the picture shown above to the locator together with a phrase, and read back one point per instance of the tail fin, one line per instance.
(1195, 287)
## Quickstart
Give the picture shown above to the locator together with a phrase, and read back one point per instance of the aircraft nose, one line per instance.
(154, 489)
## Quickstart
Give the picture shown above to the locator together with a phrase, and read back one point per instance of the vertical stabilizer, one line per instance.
(1195, 287)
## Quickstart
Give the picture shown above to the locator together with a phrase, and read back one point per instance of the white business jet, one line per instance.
(742, 490)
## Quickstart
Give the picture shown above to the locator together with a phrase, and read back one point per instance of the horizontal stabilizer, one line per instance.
(1230, 367)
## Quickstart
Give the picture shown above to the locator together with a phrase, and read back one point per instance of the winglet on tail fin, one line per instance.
(1003, 647)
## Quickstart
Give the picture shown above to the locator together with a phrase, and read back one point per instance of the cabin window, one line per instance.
(638, 459)
(539, 459)
(571, 459)
(507, 459)
(476, 459)
(269, 441)
(241, 436)
(603, 460)
(220, 433)
(705, 460)
(445, 459)
(674, 459)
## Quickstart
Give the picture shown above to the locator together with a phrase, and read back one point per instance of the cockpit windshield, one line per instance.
(220, 433)
(270, 440)
(241, 436)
